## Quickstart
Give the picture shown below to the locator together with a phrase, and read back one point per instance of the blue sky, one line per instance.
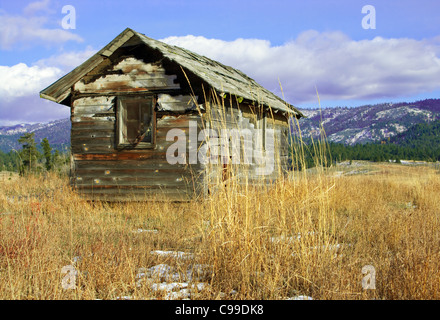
(306, 45)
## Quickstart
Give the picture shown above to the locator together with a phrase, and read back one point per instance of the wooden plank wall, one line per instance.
(101, 171)
(280, 124)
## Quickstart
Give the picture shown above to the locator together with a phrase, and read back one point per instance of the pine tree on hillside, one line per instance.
(47, 153)
(29, 154)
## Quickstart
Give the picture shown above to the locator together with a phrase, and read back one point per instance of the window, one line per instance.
(136, 122)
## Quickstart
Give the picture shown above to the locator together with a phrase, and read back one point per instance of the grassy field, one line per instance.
(309, 235)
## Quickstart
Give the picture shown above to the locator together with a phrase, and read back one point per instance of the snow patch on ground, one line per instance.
(174, 285)
(173, 254)
(300, 298)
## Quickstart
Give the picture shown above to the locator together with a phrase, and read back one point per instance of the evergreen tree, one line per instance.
(29, 154)
(57, 160)
(47, 153)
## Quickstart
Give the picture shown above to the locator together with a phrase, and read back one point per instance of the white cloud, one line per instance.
(339, 67)
(21, 80)
(36, 6)
(19, 94)
(31, 29)
(20, 85)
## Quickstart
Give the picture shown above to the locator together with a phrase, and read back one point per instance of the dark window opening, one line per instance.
(136, 122)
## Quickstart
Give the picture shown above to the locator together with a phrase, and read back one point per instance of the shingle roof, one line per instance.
(224, 79)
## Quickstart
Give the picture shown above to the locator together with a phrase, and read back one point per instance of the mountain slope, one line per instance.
(57, 132)
(368, 123)
(425, 135)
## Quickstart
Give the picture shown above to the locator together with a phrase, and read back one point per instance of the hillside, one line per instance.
(57, 132)
(420, 142)
(368, 123)
(425, 135)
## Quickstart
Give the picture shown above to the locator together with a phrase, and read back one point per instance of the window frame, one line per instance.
(121, 141)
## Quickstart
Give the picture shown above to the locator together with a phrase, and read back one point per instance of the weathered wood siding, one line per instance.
(100, 170)
(280, 124)
(129, 75)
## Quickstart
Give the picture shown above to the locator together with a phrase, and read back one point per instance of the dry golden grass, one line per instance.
(247, 237)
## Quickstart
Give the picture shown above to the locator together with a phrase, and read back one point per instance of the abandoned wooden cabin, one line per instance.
(125, 102)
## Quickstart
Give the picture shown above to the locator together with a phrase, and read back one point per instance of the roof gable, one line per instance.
(223, 79)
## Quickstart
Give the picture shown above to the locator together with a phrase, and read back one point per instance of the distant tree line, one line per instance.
(336, 152)
(30, 159)
(383, 152)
